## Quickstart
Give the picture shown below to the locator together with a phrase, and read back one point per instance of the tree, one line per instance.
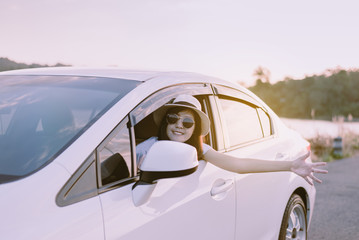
(330, 94)
(262, 74)
(7, 64)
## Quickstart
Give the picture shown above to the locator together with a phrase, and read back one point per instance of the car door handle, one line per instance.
(222, 188)
(281, 156)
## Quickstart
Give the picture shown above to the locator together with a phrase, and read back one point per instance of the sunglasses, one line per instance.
(173, 118)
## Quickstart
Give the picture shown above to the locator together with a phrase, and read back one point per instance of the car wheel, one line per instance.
(294, 223)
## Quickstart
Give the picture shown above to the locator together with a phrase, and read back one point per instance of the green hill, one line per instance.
(7, 64)
(321, 97)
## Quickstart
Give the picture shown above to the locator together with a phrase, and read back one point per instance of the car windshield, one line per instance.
(41, 115)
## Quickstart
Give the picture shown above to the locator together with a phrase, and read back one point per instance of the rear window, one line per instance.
(41, 115)
(242, 122)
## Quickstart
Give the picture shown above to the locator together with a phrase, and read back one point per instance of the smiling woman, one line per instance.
(181, 121)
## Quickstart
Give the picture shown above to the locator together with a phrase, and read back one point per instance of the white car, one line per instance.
(68, 166)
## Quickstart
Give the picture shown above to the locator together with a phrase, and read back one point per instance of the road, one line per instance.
(336, 211)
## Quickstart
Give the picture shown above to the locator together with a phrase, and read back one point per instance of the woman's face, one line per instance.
(176, 131)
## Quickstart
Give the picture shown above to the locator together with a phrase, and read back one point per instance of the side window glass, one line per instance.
(242, 121)
(114, 156)
(265, 121)
(82, 185)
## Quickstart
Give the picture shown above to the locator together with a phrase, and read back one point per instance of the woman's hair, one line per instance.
(195, 140)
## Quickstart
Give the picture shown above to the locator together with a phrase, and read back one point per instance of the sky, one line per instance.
(228, 39)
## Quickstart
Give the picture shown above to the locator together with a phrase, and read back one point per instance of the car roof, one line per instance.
(166, 77)
(138, 75)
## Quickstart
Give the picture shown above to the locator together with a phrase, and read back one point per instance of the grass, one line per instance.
(322, 147)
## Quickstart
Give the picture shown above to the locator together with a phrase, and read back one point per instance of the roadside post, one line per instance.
(338, 147)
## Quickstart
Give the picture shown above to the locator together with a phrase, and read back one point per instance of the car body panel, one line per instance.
(263, 192)
(32, 213)
(177, 209)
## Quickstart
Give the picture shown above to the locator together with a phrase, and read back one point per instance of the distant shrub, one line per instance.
(322, 147)
(351, 144)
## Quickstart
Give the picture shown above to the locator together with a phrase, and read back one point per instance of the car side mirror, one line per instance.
(165, 159)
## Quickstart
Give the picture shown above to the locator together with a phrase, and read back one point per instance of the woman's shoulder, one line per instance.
(143, 147)
(148, 142)
(206, 147)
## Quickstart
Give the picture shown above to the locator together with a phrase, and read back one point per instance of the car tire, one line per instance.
(294, 223)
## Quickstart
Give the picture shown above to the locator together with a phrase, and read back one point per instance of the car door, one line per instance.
(249, 132)
(198, 206)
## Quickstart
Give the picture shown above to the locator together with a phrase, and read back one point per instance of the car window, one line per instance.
(147, 128)
(144, 125)
(82, 185)
(241, 120)
(41, 115)
(114, 156)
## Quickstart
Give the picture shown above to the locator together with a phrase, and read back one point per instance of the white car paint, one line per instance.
(179, 203)
(29, 211)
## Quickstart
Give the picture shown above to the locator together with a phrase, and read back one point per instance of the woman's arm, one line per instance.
(247, 165)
